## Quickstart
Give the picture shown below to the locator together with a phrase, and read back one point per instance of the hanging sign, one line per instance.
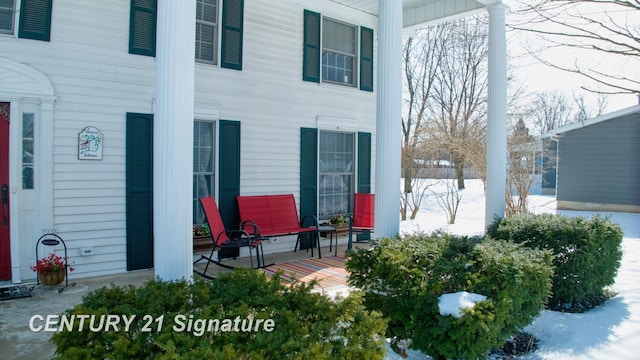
(90, 144)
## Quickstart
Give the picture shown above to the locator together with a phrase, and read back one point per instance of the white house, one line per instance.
(111, 128)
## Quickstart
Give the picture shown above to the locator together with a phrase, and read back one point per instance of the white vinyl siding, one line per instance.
(97, 82)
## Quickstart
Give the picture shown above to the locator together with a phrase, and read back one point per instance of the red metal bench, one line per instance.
(277, 215)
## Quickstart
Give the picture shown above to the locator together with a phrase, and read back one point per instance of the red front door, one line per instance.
(5, 253)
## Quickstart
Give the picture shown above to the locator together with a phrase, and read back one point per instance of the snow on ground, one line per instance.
(610, 331)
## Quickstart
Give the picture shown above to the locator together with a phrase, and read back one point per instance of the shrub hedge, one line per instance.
(587, 252)
(404, 279)
(306, 325)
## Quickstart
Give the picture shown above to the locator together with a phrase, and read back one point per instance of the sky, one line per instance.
(540, 77)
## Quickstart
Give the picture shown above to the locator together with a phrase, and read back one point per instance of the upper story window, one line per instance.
(338, 52)
(218, 37)
(331, 52)
(34, 21)
(207, 31)
(6, 16)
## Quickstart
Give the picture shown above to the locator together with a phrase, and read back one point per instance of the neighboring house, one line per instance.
(598, 162)
(285, 100)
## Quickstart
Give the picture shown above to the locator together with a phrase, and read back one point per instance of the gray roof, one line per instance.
(598, 119)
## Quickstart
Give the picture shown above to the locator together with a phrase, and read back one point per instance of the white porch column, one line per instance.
(388, 118)
(497, 115)
(173, 140)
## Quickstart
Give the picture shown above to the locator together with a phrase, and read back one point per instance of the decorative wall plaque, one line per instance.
(90, 144)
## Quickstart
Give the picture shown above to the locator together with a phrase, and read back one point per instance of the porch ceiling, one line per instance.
(420, 12)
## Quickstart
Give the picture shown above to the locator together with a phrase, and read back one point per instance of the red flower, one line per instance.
(51, 263)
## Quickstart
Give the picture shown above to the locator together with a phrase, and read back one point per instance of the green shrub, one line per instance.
(405, 278)
(306, 325)
(587, 252)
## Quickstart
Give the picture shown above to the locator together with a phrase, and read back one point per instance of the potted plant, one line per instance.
(339, 219)
(201, 237)
(201, 230)
(51, 269)
(340, 222)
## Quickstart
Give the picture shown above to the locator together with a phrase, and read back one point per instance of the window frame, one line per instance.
(13, 11)
(28, 143)
(309, 167)
(313, 64)
(213, 173)
(216, 34)
(354, 57)
(352, 183)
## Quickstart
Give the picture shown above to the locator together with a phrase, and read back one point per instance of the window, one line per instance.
(335, 58)
(336, 173)
(207, 31)
(338, 52)
(219, 27)
(27, 150)
(226, 34)
(203, 166)
(6, 16)
(327, 175)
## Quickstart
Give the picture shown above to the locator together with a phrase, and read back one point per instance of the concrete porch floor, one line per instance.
(17, 341)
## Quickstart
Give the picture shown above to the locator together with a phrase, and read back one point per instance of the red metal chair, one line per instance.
(225, 239)
(362, 219)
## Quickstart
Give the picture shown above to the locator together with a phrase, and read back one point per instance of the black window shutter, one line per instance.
(139, 191)
(311, 49)
(366, 59)
(229, 179)
(142, 27)
(364, 171)
(35, 19)
(232, 23)
(364, 162)
(308, 171)
(229, 172)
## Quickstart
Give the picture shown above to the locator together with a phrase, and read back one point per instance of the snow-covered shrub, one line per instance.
(587, 252)
(176, 320)
(405, 278)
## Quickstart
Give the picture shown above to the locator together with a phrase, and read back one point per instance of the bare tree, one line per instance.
(550, 110)
(459, 95)
(612, 28)
(449, 201)
(585, 110)
(421, 61)
(522, 149)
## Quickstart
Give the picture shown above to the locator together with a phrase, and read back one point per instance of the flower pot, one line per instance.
(52, 278)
